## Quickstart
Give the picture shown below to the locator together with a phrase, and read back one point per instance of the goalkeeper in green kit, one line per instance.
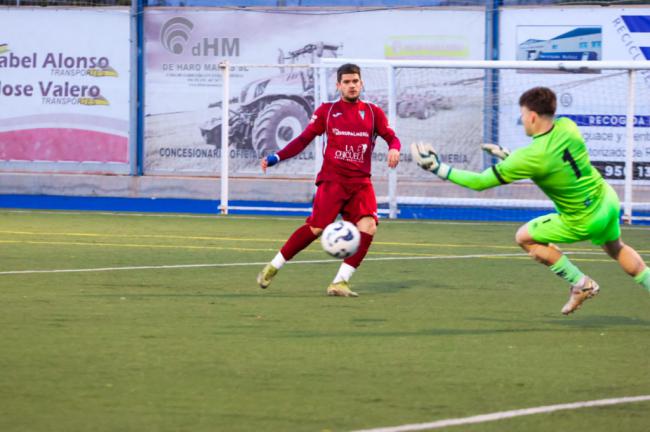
(558, 162)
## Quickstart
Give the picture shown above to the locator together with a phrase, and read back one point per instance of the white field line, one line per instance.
(322, 261)
(508, 414)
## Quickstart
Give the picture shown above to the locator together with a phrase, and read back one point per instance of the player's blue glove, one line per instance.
(272, 159)
(496, 150)
(427, 158)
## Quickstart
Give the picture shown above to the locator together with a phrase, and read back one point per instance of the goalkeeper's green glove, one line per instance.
(427, 158)
(496, 150)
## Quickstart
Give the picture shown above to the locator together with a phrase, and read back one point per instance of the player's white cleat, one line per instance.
(580, 295)
(265, 276)
(341, 289)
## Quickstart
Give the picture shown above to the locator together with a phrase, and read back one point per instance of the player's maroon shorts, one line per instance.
(352, 200)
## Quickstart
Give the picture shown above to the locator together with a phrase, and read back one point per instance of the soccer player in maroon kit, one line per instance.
(344, 185)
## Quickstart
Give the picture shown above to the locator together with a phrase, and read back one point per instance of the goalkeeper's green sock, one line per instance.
(643, 278)
(567, 271)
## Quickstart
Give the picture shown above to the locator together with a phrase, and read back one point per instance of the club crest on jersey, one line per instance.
(362, 114)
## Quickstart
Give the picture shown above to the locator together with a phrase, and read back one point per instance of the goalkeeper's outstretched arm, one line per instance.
(473, 180)
(427, 158)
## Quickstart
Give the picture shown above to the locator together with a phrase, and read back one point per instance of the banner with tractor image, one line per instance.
(64, 89)
(269, 106)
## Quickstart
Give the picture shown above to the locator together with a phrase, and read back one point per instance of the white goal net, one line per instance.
(456, 106)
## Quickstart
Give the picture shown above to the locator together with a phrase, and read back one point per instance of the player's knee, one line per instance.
(522, 237)
(316, 231)
(614, 248)
(367, 225)
(372, 229)
(519, 240)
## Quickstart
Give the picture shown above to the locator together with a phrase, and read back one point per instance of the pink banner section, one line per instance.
(63, 145)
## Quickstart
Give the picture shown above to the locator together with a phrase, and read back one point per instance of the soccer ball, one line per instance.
(340, 239)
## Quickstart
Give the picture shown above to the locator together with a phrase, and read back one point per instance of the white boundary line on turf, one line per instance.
(508, 414)
(323, 261)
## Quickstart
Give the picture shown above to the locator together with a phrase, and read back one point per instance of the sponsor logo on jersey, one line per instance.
(339, 132)
(352, 153)
(336, 114)
(313, 118)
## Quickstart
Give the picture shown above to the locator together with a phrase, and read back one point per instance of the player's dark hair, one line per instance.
(348, 68)
(541, 100)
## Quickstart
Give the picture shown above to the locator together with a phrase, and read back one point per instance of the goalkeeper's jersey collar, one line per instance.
(545, 133)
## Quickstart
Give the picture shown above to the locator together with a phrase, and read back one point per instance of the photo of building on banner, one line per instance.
(597, 100)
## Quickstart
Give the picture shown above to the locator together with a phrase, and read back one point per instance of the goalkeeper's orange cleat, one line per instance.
(341, 289)
(580, 295)
(266, 275)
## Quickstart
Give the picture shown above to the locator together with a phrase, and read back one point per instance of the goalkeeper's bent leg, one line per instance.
(630, 261)
(643, 279)
(568, 271)
(551, 256)
(547, 254)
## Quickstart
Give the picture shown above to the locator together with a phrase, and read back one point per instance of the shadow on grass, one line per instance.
(392, 286)
(256, 295)
(428, 332)
(598, 321)
(566, 324)
(578, 320)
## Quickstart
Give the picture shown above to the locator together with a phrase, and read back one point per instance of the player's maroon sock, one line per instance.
(300, 239)
(364, 245)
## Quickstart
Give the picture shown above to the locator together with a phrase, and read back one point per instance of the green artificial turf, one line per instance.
(453, 321)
